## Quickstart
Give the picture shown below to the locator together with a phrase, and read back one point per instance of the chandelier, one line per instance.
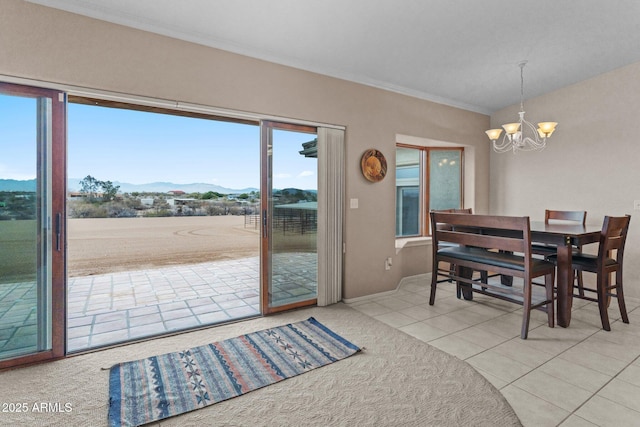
(521, 135)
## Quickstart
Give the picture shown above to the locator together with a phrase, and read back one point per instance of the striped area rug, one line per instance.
(162, 386)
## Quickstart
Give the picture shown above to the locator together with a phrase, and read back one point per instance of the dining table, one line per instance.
(566, 237)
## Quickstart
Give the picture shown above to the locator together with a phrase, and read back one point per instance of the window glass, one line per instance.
(407, 192)
(442, 178)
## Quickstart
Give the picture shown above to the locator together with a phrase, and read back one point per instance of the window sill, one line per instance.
(408, 242)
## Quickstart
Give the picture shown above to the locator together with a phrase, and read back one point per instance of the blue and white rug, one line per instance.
(162, 386)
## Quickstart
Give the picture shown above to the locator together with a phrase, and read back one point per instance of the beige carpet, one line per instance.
(397, 381)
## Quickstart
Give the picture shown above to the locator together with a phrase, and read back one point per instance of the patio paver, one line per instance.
(112, 308)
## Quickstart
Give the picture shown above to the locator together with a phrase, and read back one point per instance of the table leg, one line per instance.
(467, 273)
(506, 280)
(564, 283)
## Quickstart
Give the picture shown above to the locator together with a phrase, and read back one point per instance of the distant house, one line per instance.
(176, 192)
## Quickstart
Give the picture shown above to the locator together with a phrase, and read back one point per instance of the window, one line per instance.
(427, 178)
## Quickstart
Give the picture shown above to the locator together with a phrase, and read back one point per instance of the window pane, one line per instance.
(444, 179)
(407, 192)
(25, 212)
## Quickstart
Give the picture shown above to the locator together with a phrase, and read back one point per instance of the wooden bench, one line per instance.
(500, 244)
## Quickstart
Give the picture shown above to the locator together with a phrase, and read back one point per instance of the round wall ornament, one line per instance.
(374, 165)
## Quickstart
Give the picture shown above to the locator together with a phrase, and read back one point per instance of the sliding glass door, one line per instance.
(272, 250)
(289, 216)
(32, 198)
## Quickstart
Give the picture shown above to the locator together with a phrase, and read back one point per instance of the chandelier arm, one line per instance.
(504, 146)
(534, 142)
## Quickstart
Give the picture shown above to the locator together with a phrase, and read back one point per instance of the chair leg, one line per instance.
(603, 284)
(549, 280)
(526, 307)
(580, 283)
(620, 296)
(434, 284)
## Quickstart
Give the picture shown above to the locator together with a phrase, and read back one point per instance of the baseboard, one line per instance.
(364, 298)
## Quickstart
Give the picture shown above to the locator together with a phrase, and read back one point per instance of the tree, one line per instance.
(109, 190)
(89, 187)
(211, 195)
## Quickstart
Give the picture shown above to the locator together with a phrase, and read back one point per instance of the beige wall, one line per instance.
(590, 163)
(54, 46)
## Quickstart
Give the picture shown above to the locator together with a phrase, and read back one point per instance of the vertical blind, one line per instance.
(330, 212)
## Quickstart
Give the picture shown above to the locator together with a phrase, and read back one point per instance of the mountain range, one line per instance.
(152, 187)
(18, 185)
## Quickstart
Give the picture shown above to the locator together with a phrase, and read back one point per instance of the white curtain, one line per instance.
(330, 210)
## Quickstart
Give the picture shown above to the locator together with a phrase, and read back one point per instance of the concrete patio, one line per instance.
(117, 307)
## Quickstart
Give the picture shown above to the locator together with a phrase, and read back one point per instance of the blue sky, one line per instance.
(17, 131)
(139, 147)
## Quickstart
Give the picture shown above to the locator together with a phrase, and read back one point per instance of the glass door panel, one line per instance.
(31, 228)
(290, 221)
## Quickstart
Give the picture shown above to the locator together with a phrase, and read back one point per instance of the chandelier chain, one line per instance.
(522, 64)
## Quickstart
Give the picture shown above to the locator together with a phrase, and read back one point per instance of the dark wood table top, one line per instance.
(557, 233)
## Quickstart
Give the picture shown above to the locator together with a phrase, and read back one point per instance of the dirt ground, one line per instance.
(97, 246)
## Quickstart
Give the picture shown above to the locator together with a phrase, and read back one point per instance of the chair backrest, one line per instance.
(460, 211)
(578, 216)
(613, 237)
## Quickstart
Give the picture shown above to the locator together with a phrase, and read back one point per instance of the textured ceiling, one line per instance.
(463, 53)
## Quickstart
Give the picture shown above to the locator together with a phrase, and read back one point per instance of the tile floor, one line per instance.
(576, 376)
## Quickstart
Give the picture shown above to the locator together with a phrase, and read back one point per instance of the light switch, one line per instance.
(353, 203)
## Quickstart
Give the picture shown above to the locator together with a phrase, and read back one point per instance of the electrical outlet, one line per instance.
(387, 264)
(636, 205)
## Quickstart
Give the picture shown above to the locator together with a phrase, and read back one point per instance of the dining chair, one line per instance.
(612, 238)
(546, 250)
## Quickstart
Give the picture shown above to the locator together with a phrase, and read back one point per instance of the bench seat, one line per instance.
(492, 258)
(499, 244)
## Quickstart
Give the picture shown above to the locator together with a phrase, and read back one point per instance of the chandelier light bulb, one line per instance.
(511, 128)
(545, 129)
(493, 134)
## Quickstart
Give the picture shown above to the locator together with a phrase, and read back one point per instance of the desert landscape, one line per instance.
(104, 245)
